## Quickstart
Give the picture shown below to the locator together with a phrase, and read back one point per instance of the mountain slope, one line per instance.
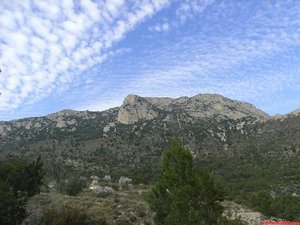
(234, 138)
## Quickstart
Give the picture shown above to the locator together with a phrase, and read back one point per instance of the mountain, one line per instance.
(204, 106)
(242, 144)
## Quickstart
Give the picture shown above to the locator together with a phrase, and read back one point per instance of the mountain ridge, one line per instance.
(161, 103)
(136, 107)
(98, 142)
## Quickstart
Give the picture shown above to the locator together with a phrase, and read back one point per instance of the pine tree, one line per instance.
(18, 182)
(183, 194)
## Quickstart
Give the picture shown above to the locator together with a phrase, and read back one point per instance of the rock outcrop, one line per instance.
(135, 108)
(201, 106)
(294, 113)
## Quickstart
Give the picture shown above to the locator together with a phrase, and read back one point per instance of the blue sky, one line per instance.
(88, 54)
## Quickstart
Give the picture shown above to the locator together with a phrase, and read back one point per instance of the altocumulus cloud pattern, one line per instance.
(89, 54)
(45, 45)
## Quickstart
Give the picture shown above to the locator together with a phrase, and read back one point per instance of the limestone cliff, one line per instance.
(201, 106)
(135, 108)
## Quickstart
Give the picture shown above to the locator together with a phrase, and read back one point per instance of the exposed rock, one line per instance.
(97, 189)
(278, 116)
(69, 113)
(207, 125)
(95, 177)
(94, 184)
(107, 178)
(248, 217)
(294, 113)
(108, 127)
(61, 124)
(2, 130)
(123, 181)
(136, 108)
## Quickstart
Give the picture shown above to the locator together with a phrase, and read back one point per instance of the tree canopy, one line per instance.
(183, 194)
(18, 181)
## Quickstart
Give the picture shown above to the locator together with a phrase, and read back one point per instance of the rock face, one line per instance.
(137, 108)
(294, 113)
(235, 211)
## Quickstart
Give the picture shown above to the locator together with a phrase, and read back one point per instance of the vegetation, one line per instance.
(9, 205)
(258, 168)
(286, 207)
(75, 185)
(55, 167)
(68, 215)
(18, 182)
(249, 181)
(184, 194)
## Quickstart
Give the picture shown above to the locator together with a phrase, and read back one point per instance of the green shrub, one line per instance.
(225, 221)
(19, 181)
(122, 222)
(8, 205)
(67, 215)
(133, 218)
(285, 207)
(141, 212)
(74, 186)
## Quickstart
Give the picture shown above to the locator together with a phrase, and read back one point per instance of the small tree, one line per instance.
(184, 195)
(18, 182)
(9, 212)
(54, 165)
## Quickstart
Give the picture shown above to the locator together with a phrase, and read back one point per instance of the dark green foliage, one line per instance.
(144, 174)
(225, 221)
(261, 201)
(67, 215)
(24, 178)
(75, 185)
(286, 207)
(8, 204)
(18, 181)
(249, 179)
(184, 194)
(122, 221)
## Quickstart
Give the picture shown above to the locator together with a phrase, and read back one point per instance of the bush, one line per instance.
(74, 186)
(18, 182)
(225, 221)
(261, 201)
(67, 215)
(141, 212)
(24, 178)
(8, 205)
(285, 207)
(122, 222)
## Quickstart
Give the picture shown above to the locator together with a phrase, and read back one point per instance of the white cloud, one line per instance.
(159, 27)
(46, 45)
(189, 8)
(91, 9)
(185, 10)
(252, 60)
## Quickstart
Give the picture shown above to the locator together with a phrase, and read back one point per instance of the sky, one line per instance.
(90, 54)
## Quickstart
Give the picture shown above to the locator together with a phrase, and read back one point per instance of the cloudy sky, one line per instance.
(90, 54)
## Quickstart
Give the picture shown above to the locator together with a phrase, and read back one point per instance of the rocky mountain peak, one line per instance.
(64, 112)
(135, 108)
(200, 106)
(133, 99)
(294, 113)
(67, 113)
